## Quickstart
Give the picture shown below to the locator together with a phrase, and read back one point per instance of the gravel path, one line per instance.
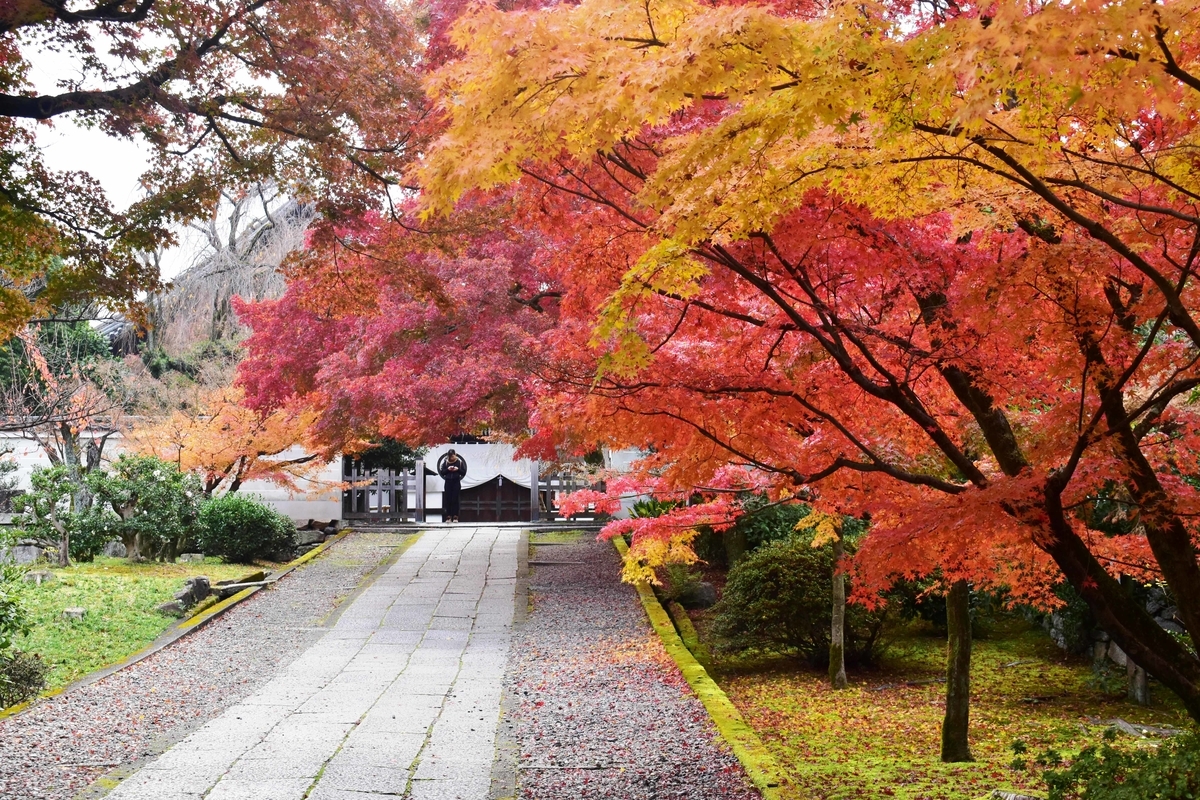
(596, 707)
(66, 743)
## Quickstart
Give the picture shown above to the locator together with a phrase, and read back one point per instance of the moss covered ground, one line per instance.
(880, 738)
(121, 619)
(557, 537)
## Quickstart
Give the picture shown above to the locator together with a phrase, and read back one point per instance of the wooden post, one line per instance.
(419, 475)
(535, 511)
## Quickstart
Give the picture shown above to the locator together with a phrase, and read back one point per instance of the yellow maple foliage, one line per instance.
(825, 528)
(992, 117)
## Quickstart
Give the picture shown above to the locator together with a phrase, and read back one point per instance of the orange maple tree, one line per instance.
(228, 443)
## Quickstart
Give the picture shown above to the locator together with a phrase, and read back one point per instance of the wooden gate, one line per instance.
(498, 500)
(378, 494)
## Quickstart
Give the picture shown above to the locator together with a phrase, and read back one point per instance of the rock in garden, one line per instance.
(191, 558)
(74, 613)
(253, 577)
(1171, 626)
(1117, 655)
(306, 536)
(703, 595)
(173, 608)
(194, 590)
(27, 554)
(331, 530)
(115, 550)
(40, 576)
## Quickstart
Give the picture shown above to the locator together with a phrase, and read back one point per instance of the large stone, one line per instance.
(40, 576)
(115, 550)
(306, 536)
(1170, 626)
(253, 577)
(702, 595)
(191, 558)
(194, 590)
(27, 554)
(1117, 655)
(173, 608)
(75, 614)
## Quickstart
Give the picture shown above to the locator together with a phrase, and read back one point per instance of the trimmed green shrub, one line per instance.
(153, 505)
(241, 530)
(779, 598)
(22, 676)
(1169, 772)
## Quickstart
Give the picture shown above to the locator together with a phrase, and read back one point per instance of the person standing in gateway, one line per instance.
(452, 469)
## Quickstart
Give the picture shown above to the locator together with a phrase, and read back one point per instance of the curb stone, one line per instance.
(758, 762)
(504, 765)
(176, 631)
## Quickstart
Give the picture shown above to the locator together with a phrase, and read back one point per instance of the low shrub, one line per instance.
(22, 676)
(779, 598)
(1169, 772)
(681, 581)
(924, 599)
(649, 508)
(13, 619)
(241, 530)
(764, 522)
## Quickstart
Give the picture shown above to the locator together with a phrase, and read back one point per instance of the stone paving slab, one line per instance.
(401, 698)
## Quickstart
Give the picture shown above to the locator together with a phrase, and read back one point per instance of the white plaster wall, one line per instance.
(319, 498)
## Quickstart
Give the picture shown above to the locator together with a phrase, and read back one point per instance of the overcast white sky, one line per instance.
(116, 163)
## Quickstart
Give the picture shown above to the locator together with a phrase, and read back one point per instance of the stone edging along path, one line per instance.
(758, 762)
(179, 629)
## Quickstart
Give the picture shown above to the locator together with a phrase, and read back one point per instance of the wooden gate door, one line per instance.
(498, 500)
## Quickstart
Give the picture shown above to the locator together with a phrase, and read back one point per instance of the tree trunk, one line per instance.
(837, 632)
(955, 745)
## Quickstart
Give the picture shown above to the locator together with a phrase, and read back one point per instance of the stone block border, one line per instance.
(180, 629)
(758, 762)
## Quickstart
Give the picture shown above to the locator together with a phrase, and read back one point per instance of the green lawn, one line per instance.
(873, 742)
(120, 599)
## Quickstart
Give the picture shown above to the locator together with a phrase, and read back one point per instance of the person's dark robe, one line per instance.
(453, 479)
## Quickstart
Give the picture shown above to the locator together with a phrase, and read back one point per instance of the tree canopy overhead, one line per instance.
(322, 96)
(937, 266)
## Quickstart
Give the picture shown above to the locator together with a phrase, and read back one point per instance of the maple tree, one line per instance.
(935, 269)
(227, 443)
(386, 333)
(323, 97)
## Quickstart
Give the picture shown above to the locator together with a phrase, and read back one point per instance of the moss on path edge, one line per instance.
(758, 762)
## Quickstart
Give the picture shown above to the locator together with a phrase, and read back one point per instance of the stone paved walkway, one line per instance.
(400, 698)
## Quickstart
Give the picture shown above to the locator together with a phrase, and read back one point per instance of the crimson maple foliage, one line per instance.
(390, 333)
